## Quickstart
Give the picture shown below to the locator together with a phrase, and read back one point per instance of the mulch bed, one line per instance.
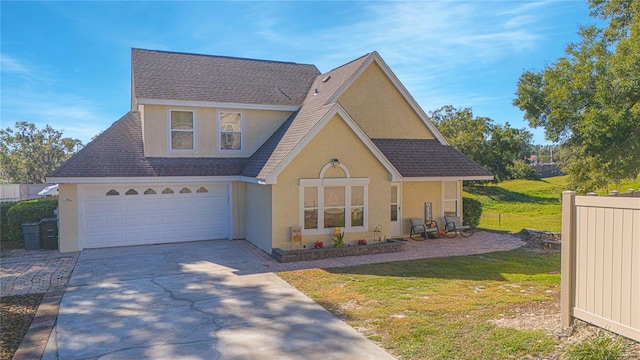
(16, 313)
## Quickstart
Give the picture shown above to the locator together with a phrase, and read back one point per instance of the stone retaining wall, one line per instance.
(315, 254)
(541, 238)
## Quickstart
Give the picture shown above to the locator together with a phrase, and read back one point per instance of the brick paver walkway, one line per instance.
(480, 243)
(34, 271)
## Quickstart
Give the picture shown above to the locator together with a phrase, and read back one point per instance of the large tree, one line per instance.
(500, 149)
(28, 154)
(589, 99)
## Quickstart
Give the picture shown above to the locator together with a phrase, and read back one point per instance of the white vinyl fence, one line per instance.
(601, 262)
(18, 192)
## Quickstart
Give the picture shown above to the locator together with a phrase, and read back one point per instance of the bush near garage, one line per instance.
(24, 212)
(471, 212)
(4, 209)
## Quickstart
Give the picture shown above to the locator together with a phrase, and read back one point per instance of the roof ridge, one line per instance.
(223, 57)
(347, 63)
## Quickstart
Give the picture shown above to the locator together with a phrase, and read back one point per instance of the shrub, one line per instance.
(521, 170)
(601, 347)
(27, 211)
(471, 212)
(4, 209)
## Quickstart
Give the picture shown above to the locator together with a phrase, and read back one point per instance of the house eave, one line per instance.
(189, 103)
(151, 179)
(447, 178)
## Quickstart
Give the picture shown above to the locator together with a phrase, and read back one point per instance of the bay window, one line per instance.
(329, 203)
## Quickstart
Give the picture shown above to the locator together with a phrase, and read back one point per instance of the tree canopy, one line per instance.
(588, 101)
(500, 149)
(28, 154)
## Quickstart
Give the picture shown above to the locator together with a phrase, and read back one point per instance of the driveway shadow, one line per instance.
(204, 300)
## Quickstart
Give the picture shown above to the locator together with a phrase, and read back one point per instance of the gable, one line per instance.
(336, 140)
(382, 111)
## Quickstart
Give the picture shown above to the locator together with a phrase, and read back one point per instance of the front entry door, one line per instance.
(396, 214)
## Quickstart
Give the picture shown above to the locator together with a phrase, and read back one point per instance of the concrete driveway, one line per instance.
(198, 300)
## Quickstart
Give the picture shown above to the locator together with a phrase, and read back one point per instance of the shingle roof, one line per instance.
(285, 139)
(119, 152)
(428, 158)
(191, 77)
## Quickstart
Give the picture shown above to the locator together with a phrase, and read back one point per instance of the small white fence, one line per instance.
(600, 270)
(18, 192)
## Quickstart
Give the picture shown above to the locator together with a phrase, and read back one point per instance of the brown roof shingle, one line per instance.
(119, 152)
(191, 77)
(428, 158)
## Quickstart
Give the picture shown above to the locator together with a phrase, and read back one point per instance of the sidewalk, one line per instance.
(34, 271)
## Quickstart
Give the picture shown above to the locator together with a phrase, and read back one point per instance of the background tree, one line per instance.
(589, 100)
(500, 149)
(28, 154)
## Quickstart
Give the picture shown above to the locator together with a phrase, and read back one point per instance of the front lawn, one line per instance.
(518, 204)
(445, 308)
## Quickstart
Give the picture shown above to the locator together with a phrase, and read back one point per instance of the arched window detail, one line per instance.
(167, 191)
(149, 191)
(202, 189)
(131, 192)
(185, 190)
(112, 192)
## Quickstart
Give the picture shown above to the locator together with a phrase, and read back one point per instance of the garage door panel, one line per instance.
(118, 220)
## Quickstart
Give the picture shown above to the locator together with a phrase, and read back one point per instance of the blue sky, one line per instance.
(67, 64)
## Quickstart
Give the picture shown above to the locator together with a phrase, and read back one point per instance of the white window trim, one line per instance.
(219, 132)
(194, 130)
(320, 184)
(457, 199)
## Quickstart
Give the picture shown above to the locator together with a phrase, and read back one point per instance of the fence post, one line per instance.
(567, 267)
(614, 193)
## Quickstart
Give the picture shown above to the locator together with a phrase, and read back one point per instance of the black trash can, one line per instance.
(31, 235)
(49, 233)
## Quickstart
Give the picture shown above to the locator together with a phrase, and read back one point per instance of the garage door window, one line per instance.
(112, 192)
(131, 192)
(149, 191)
(185, 190)
(167, 191)
(202, 189)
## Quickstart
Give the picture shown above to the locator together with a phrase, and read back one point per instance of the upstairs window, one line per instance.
(231, 137)
(182, 130)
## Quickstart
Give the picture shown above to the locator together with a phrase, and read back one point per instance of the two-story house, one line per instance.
(220, 147)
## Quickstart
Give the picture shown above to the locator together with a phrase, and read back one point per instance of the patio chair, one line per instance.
(419, 227)
(453, 226)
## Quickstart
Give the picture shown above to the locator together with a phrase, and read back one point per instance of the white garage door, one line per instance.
(154, 213)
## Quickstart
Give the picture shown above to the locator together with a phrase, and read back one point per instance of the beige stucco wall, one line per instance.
(381, 110)
(68, 217)
(258, 215)
(414, 195)
(335, 140)
(238, 209)
(258, 126)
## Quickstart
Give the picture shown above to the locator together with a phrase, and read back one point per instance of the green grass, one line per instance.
(517, 204)
(441, 308)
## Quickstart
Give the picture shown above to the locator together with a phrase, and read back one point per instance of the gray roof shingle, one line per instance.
(428, 158)
(167, 75)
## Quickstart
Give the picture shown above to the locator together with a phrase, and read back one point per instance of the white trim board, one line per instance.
(339, 110)
(211, 104)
